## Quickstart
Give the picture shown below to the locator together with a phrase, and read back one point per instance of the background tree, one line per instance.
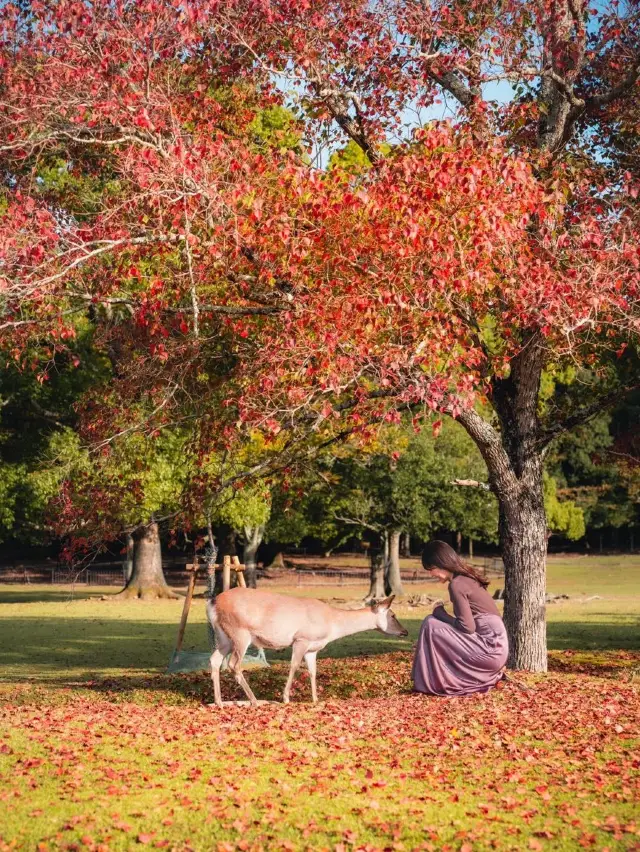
(33, 415)
(247, 512)
(129, 491)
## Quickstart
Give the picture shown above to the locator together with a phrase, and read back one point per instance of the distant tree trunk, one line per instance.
(210, 535)
(405, 545)
(252, 540)
(227, 537)
(277, 563)
(458, 542)
(227, 543)
(470, 548)
(376, 563)
(147, 580)
(394, 581)
(127, 565)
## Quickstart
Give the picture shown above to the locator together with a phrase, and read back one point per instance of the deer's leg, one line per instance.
(297, 653)
(223, 646)
(310, 660)
(241, 642)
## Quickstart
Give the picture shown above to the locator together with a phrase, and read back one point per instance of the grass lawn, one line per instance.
(99, 749)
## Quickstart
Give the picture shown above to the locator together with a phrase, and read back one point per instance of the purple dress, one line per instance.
(461, 654)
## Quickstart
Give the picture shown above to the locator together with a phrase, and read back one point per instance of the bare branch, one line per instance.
(454, 85)
(471, 483)
(583, 415)
(489, 443)
(605, 98)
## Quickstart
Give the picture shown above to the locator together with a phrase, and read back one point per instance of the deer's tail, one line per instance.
(212, 615)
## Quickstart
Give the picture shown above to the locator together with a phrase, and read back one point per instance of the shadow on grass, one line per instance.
(611, 632)
(126, 654)
(25, 594)
(55, 648)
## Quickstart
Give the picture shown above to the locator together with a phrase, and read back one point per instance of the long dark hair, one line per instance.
(439, 554)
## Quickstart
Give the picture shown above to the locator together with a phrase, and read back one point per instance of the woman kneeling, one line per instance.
(466, 652)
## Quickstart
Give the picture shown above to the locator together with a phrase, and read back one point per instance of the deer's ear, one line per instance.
(375, 605)
(386, 603)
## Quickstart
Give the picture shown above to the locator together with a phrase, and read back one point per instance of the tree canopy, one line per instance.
(153, 182)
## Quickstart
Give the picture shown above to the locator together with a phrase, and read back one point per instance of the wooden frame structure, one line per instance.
(229, 564)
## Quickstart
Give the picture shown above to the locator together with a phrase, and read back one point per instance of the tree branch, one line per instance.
(358, 523)
(471, 483)
(583, 415)
(338, 103)
(605, 98)
(488, 440)
(454, 85)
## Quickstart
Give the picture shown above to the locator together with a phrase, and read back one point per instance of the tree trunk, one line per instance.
(470, 548)
(147, 580)
(376, 563)
(394, 581)
(458, 542)
(514, 457)
(210, 535)
(227, 538)
(277, 563)
(252, 540)
(227, 542)
(523, 535)
(405, 545)
(127, 565)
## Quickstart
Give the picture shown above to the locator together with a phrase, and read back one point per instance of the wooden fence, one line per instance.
(112, 574)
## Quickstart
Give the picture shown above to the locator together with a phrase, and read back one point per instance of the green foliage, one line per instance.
(276, 127)
(563, 518)
(404, 482)
(82, 186)
(37, 438)
(11, 478)
(424, 486)
(586, 472)
(351, 158)
(555, 379)
(247, 507)
(149, 475)
(246, 502)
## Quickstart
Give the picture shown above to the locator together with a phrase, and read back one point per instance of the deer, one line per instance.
(241, 617)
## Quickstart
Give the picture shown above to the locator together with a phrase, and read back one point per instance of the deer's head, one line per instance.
(386, 622)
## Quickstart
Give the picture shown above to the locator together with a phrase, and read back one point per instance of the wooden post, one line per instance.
(193, 570)
(226, 573)
(239, 569)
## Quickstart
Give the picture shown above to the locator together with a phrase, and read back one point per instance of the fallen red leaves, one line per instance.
(507, 770)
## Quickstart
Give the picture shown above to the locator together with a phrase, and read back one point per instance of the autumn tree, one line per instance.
(468, 259)
(507, 285)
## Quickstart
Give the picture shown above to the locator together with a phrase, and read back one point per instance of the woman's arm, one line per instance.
(462, 618)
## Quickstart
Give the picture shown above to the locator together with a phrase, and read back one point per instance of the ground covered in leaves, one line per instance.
(119, 762)
(101, 750)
